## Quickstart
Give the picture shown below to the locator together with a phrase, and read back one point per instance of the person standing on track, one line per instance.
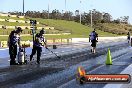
(128, 36)
(93, 37)
(37, 45)
(13, 41)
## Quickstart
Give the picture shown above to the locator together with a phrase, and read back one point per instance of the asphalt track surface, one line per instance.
(54, 72)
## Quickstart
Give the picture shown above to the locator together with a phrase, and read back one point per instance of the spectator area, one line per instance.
(10, 22)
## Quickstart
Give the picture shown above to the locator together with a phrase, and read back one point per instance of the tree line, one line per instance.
(97, 16)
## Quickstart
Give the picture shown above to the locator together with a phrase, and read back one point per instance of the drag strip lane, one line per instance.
(65, 76)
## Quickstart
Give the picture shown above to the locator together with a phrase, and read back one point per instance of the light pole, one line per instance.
(23, 7)
(65, 6)
(48, 10)
(80, 12)
(91, 20)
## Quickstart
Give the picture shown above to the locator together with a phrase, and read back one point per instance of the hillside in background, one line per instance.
(10, 22)
(119, 29)
(67, 21)
(56, 26)
(76, 29)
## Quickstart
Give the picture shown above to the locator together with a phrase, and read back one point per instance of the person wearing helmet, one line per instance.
(38, 43)
(13, 41)
(94, 38)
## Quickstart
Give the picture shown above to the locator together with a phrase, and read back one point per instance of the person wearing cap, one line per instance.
(13, 42)
(38, 43)
(94, 39)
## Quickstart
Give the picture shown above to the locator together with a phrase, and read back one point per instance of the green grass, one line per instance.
(115, 28)
(52, 37)
(5, 38)
(73, 27)
(47, 37)
(26, 31)
(7, 31)
(17, 24)
(105, 34)
(13, 23)
(78, 30)
(15, 18)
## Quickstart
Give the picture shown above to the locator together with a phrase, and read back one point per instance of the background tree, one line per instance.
(107, 17)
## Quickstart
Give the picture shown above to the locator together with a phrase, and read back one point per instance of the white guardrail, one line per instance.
(49, 42)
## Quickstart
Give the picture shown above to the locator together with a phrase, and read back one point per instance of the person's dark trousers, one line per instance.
(93, 43)
(39, 50)
(13, 53)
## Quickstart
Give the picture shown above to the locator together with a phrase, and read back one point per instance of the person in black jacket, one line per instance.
(94, 39)
(128, 37)
(37, 45)
(13, 42)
